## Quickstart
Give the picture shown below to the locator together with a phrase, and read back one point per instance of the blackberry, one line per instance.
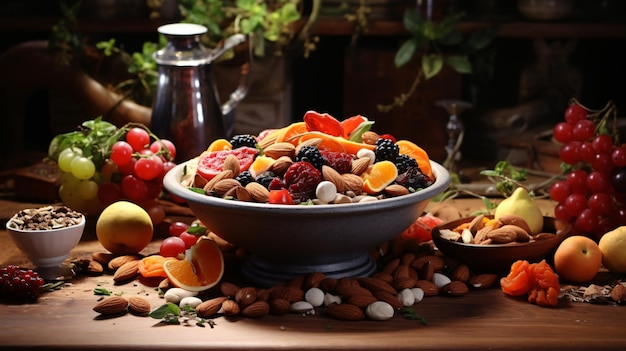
(243, 140)
(404, 163)
(312, 155)
(414, 178)
(20, 284)
(266, 178)
(244, 178)
(386, 150)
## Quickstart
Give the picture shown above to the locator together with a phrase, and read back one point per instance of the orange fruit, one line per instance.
(578, 259)
(411, 149)
(379, 176)
(327, 143)
(201, 270)
(291, 130)
(348, 146)
(219, 145)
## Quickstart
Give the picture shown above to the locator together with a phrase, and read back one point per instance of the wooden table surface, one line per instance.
(482, 319)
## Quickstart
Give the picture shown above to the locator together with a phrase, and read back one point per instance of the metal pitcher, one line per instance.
(187, 109)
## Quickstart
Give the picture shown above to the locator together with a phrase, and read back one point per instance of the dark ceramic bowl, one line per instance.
(497, 258)
(289, 240)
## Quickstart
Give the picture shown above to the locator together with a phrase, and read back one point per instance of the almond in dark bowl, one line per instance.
(497, 258)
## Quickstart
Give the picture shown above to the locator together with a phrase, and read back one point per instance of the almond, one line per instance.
(289, 293)
(222, 186)
(345, 311)
(436, 262)
(139, 306)
(281, 165)
(280, 149)
(258, 192)
(313, 280)
(455, 288)
(102, 257)
(111, 305)
(210, 307)
(407, 259)
(268, 140)
(481, 235)
(245, 296)
(391, 299)
(360, 165)
(331, 175)
(94, 267)
(231, 162)
(256, 309)
(508, 233)
(199, 181)
(383, 276)
(242, 194)
(309, 142)
(229, 289)
(391, 266)
(354, 183)
(226, 174)
(404, 283)
(328, 284)
(516, 220)
(349, 290)
(279, 307)
(427, 271)
(119, 261)
(230, 308)
(361, 300)
(126, 272)
(483, 281)
(461, 273)
(262, 294)
(429, 288)
(396, 190)
(402, 271)
(370, 137)
(476, 224)
(374, 285)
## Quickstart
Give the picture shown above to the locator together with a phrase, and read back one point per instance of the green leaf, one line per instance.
(165, 310)
(432, 65)
(357, 135)
(289, 13)
(101, 291)
(460, 64)
(246, 4)
(413, 21)
(405, 53)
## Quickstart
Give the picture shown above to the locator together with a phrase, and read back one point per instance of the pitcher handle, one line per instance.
(244, 79)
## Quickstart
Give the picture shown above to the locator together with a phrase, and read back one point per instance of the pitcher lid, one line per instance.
(182, 29)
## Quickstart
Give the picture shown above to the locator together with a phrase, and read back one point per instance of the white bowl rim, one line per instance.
(26, 231)
(172, 184)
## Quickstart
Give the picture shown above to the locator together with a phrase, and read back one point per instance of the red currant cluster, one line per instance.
(593, 193)
(19, 284)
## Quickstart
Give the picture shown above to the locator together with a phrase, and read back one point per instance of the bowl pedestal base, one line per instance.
(267, 274)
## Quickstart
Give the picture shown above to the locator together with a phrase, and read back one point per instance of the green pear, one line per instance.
(613, 247)
(521, 204)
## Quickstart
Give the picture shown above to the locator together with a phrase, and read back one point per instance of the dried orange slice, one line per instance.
(420, 155)
(219, 145)
(152, 266)
(201, 270)
(327, 143)
(379, 176)
(348, 146)
(289, 131)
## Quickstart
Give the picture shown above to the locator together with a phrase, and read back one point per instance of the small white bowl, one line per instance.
(50, 247)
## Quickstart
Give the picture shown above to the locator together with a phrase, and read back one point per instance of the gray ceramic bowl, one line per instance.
(287, 240)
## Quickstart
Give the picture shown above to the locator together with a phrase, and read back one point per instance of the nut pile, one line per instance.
(45, 218)
(484, 231)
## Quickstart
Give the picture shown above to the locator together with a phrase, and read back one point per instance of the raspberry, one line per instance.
(340, 161)
(244, 178)
(240, 140)
(312, 155)
(414, 178)
(404, 163)
(301, 179)
(386, 150)
(20, 284)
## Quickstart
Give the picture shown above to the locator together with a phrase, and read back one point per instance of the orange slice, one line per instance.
(350, 147)
(379, 176)
(419, 154)
(327, 144)
(201, 270)
(219, 145)
(260, 165)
